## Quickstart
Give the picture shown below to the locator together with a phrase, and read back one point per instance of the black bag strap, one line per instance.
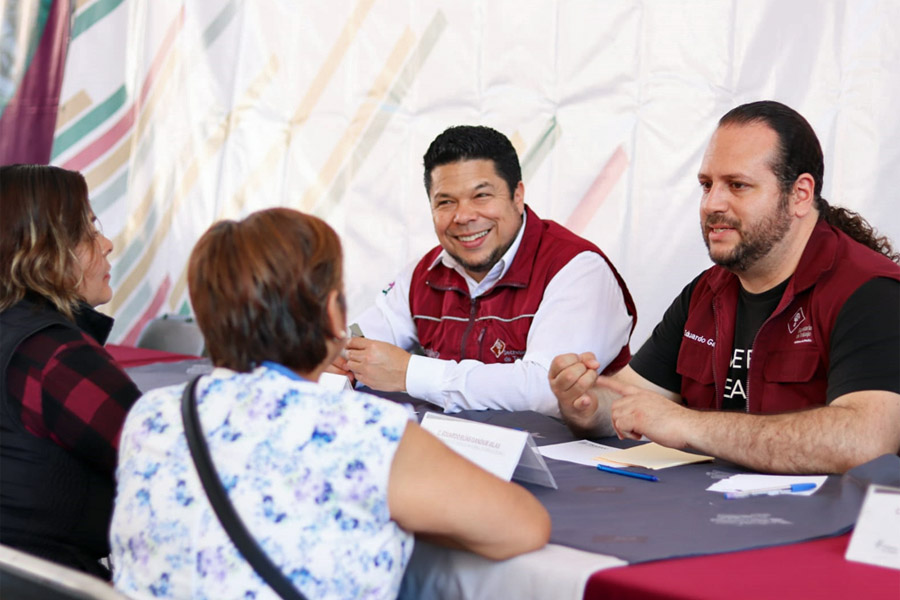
(218, 498)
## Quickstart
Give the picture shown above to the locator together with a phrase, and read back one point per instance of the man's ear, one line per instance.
(519, 197)
(337, 319)
(803, 195)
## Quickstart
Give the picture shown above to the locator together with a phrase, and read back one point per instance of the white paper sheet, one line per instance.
(751, 482)
(582, 452)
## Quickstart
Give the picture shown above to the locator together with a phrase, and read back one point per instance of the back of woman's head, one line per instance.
(259, 288)
(44, 215)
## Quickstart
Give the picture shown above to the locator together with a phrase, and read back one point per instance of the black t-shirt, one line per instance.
(752, 312)
(864, 349)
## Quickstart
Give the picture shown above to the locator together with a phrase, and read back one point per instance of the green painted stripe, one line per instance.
(185, 309)
(117, 189)
(131, 312)
(378, 124)
(89, 122)
(134, 250)
(218, 25)
(92, 14)
(541, 150)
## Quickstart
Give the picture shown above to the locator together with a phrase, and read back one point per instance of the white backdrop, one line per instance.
(180, 113)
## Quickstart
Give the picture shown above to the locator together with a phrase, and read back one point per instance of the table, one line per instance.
(814, 569)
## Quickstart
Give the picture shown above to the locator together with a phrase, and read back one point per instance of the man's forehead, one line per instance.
(469, 173)
(738, 148)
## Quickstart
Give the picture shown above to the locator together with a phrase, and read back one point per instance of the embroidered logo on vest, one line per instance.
(388, 288)
(498, 347)
(796, 320)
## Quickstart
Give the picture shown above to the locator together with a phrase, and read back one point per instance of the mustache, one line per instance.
(713, 221)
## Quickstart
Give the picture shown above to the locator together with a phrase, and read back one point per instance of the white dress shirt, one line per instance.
(582, 310)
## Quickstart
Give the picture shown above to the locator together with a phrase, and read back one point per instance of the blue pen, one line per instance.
(794, 487)
(627, 473)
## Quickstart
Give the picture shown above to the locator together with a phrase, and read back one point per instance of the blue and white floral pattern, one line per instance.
(306, 468)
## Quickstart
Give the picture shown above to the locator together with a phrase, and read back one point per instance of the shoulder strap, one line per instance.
(218, 498)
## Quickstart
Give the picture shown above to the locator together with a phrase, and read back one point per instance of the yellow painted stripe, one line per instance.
(262, 172)
(353, 132)
(71, 108)
(313, 93)
(326, 71)
(79, 4)
(518, 143)
(228, 124)
(195, 159)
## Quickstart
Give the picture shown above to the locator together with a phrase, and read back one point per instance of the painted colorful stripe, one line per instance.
(303, 110)
(599, 191)
(194, 160)
(93, 14)
(93, 119)
(374, 96)
(71, 108)
(149, 313)
(313, 93)
(379, 123)
(119, 129)
(535, 157)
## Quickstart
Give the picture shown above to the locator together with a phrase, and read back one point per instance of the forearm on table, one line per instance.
(829, 439)
(470, 384)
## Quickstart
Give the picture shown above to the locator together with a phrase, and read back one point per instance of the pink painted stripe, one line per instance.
(131, 338)
(101, 145)
(599, 191)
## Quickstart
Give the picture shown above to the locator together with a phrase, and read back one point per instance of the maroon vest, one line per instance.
(493, 328)
(789, 367)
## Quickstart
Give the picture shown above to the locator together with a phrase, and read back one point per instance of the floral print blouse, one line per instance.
(306, 469)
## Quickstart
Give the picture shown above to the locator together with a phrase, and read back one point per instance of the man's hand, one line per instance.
(378, 365)
(339, 367)
(640, 412)
(572, 378)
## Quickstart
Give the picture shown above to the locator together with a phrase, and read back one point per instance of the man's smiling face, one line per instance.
(474, 216)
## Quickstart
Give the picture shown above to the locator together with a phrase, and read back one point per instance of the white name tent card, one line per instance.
(507, 453)
(335, 382)
(876, 538)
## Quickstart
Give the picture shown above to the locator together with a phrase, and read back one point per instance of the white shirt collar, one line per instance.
(477, 288)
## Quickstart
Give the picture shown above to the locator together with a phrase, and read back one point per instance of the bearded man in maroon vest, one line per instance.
(785, 355)
(476, 322)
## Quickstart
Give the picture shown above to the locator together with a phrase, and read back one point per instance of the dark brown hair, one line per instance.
(44, 215)
(799, 152)
(259, 289)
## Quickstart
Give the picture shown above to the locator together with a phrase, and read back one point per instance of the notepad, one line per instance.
(652, 456)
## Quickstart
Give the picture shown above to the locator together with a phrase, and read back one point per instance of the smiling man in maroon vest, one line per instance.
(491, 306)
(785, 355)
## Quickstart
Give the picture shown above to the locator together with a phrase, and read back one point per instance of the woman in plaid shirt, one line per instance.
(63, 398)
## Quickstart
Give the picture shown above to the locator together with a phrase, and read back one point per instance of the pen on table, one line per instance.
(794, 487)
(627, 473)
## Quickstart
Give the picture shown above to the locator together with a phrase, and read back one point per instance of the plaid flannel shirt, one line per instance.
(72, 392)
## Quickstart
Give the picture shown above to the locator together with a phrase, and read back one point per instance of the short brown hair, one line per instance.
(44, 215)
(259, 289)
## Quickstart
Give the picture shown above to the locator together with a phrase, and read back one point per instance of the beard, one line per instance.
(488, 263)
(757, 238)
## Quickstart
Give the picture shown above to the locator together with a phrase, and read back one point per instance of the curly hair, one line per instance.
(44, 215)
(799, 152)
(259, 289)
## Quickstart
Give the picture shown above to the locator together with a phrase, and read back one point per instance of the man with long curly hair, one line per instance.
(785, 355)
